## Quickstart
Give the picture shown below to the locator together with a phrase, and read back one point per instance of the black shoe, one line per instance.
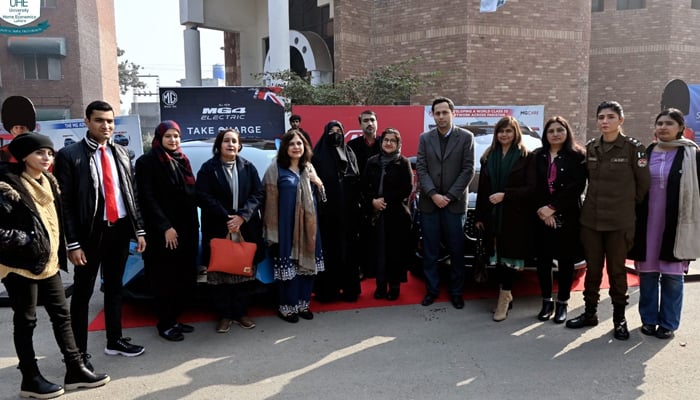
(621, 331)
(77, 376)
(648, 329)
(663, 333)
(582, 320)
(546, 310)
(86, 361)
(122, 347)
(34, 385)
(393, 294)
(457, 301)
(173, 334)
(428, 300)
(292, 318)
(184, 328)
(380, 293)
(560, 313)
(306, 314)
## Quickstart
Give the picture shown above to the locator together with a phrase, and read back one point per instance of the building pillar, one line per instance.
(193, 58)
(278, 26)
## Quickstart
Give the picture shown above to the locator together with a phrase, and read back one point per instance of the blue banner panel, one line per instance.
(692, 120)
(201, 112)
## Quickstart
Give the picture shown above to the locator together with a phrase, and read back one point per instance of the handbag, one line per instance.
(232, 256)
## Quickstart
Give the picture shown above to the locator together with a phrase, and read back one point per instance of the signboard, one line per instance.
(201, 112)
(692, 119)
(127, 132)
(530, 116)
(408, 120)
(20, 12)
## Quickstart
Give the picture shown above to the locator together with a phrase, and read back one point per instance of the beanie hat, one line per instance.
(18, 110)
(23, 145)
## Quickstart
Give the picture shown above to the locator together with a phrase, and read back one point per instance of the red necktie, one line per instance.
(108, 186)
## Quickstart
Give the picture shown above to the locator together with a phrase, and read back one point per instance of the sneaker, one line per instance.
(621, 332)
(224, 325)
(122, 347)
(245, 322)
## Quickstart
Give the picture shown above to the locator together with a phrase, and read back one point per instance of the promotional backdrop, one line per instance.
(201, 112)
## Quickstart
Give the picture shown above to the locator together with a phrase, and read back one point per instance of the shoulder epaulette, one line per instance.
(634, 141)
(590, 141)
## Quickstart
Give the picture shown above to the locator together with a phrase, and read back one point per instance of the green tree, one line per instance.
(388, 84)
(128, 74)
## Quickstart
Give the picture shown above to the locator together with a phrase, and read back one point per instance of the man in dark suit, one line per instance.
(100, 217)
(445, 166)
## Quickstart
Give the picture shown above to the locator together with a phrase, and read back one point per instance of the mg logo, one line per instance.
(169, 98)
(20, 12)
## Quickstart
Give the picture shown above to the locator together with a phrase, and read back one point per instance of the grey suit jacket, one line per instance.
(448, 174)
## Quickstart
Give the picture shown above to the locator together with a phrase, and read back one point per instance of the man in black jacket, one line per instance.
(100, 216)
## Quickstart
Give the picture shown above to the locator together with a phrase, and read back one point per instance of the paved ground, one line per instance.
(402, 352)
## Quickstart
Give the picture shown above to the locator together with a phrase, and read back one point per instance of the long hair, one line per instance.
(570, 145)
(282, 154)
(503, 123)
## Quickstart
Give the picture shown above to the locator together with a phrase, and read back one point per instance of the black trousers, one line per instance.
(108, 249)
(24, 295)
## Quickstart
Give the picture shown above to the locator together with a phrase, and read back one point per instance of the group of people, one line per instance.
(329, 215)
(639, 203)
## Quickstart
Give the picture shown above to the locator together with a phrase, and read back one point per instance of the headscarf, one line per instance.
(175, 162)
(387, 158)
(334, 161)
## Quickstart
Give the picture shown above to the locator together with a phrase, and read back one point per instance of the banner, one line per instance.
(127, 132)
(201, 112)
(692, 120)
(487, 116)
(408, 120)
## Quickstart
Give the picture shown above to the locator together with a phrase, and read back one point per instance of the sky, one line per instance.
(151, 35)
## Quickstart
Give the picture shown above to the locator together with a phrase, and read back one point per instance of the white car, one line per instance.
(260, 153)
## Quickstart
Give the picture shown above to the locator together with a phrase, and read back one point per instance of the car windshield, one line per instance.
(258, 152)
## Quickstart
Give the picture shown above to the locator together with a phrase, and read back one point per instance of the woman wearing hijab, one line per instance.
(503, 206)
(230, 195)
(337, 167)
(291, 225)
(32, 251)
(668, 226)
(166, 192)
(387, 183)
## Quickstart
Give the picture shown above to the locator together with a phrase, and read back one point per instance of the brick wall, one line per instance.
(89, 67)
(634, 53)
(526, 53)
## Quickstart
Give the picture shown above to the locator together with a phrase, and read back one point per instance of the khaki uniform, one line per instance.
(618, 179)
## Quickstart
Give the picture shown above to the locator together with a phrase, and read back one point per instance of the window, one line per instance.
(42, 67)
(631, 4)
(597, 5)
(48, 3)
(695, 4)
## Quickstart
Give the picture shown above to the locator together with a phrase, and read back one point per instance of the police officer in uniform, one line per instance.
(618, 178)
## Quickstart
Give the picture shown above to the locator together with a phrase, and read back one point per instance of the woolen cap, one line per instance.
(23, 145)
(18, 110)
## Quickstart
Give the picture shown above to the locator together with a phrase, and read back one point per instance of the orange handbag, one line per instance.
(231, 256)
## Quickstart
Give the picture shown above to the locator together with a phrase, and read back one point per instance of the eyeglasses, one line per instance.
(394, 141)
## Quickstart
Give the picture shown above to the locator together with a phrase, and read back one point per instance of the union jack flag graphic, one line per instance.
(270, 94)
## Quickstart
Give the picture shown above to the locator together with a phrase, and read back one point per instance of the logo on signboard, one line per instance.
(169, 97)
(20, 12)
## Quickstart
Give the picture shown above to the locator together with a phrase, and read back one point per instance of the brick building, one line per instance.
(638, 46)
(66, 66)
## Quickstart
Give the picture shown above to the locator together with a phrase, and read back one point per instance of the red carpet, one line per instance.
(136, 315)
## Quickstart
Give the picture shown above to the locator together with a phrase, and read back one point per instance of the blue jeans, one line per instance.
(449, 227)
(666, 312)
